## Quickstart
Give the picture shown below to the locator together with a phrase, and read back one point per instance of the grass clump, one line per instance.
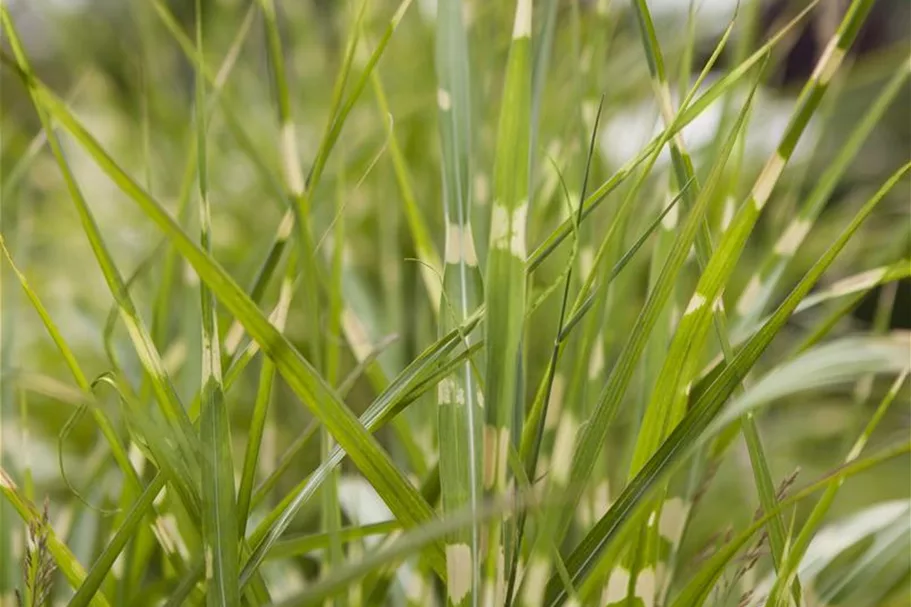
(437, 340)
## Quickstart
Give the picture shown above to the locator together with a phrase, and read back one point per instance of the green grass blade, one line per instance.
(365, 452)
(505, 280)
(219, 507)
(577, 464)
(180, 430)
(539, 564)
(761, 286)
(680, 367)
(687, 436)
(118, 451)
(428, 257)
(460, 411)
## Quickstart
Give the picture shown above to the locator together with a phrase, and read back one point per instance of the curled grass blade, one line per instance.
(180, 430)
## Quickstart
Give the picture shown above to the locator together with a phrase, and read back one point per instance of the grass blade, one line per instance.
(687, 436)
(459, 413)
(218, 499)
(505, 279)
(760, 288)
(364, 450)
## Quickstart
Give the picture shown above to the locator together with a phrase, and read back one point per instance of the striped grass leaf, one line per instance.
(379, 413)
(505, 280)
(661, 334)
(364, 451)
(858, 283)
(761, 286)
(427, 370)
(219, 508)
(530, 449)
(687, 114)
(669, 395)
(459, 396)
(690, 433)
(550, 243)
(414, 540)
(713, 92)
(662, 414)
(858, 286)
(404, 389)
(829, 364)
(584, 451)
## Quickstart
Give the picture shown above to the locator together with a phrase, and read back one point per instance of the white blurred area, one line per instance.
(626, 132)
